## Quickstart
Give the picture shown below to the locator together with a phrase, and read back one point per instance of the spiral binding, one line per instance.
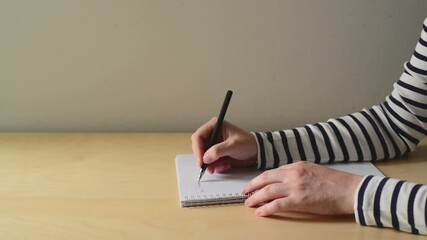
(213, 199)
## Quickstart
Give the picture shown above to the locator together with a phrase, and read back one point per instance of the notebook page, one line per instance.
(220, 188)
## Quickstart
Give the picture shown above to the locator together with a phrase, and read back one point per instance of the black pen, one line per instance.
(217, 128)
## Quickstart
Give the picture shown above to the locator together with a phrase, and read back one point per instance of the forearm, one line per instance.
(364, 136)
(384, 131)
(394, 203)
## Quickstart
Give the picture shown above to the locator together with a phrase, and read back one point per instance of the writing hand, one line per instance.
(236, 147)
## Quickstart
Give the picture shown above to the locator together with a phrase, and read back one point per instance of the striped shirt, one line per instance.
(385, 131)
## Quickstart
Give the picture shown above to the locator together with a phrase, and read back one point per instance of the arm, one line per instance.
(386, 202)
(385, 131)
(394, 203)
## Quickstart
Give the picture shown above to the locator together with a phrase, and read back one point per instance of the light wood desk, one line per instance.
(123, 186)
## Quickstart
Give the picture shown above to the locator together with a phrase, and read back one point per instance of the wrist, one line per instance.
(352, 186)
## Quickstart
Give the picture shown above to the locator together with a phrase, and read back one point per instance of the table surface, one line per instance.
(123, 186)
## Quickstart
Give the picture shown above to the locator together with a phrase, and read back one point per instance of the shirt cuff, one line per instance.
(387, 202)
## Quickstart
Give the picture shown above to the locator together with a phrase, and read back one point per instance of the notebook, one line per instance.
(226, 188)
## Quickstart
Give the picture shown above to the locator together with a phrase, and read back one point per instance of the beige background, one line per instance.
(166, 65)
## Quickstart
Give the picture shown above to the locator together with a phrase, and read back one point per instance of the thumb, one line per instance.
(217, 151)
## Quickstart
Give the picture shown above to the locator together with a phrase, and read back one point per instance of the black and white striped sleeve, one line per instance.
(385, 131)
(388, 202)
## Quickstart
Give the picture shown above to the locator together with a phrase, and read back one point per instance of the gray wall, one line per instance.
(166, 65)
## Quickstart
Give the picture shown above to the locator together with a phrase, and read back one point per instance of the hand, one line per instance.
(236, 147)
(303, 187)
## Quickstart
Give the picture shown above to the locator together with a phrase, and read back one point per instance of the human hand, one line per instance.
(236, 147)
(303, 187)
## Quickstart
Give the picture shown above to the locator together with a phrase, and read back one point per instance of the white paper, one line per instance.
(221, 188)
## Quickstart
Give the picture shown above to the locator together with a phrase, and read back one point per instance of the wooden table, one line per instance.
(123, 186)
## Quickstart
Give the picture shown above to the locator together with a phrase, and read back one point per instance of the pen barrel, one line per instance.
(218, 126)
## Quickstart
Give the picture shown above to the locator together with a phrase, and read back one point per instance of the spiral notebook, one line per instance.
(225, 188)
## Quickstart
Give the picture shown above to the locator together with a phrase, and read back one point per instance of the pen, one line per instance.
(217, 128)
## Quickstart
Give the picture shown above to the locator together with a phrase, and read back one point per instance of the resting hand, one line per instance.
(303, 187)
(236, 147)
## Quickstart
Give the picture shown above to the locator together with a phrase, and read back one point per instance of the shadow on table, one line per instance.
(305, 217)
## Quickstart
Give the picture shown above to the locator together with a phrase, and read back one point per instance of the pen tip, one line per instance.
(200, 175)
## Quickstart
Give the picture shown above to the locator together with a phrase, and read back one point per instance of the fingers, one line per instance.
(200, 137)
(234, 145)
(278, 205)
(267, 194)
(270, 188)
(222, 167)
(264, 179)
(303, 187)
(218, 166)
(217, 151)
